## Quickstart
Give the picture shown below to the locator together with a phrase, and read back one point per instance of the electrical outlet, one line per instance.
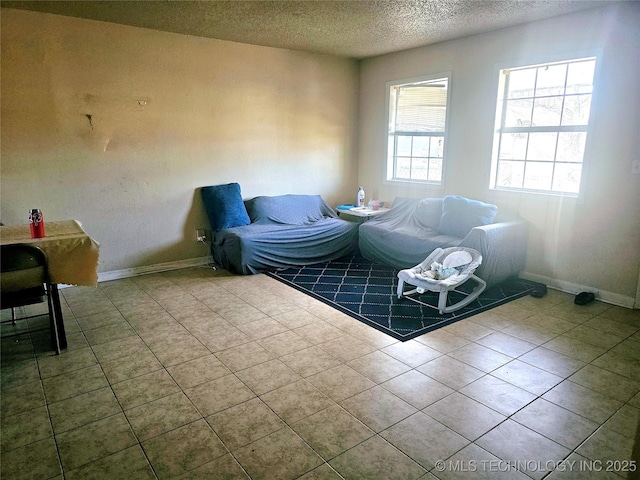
(201, 235)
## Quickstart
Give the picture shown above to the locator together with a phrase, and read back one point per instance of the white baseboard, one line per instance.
(575, 288)
(159, 267)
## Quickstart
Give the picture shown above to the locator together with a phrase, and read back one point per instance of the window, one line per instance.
(417, 127)
(541, 127)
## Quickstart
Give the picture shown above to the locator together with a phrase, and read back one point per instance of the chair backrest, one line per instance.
(22, 266)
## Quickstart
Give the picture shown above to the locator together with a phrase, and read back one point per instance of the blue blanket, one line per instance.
(285, 230)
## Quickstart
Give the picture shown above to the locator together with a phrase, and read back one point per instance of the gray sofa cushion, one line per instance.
(460, 215)
(428, 212)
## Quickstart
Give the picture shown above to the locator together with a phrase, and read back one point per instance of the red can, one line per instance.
(36, 223)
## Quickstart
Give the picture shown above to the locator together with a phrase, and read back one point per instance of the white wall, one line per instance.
(274, 120)
(592, 242)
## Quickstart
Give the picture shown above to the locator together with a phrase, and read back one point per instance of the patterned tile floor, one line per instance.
(200, 374)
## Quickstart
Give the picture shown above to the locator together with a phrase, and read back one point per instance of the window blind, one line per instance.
(421, 107)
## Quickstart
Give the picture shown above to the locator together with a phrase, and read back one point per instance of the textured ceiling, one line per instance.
(356, 29)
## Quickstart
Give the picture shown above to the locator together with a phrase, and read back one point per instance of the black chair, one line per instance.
(24, 280)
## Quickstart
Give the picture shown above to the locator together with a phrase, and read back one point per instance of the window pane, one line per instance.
(567, 177)
(510, 174)
(546, 111)
(551, 79)
(522, 83)
(436, 147)
(580, 77)
(513, 146)
(542, 146)
(435, 169)
(420, 146)
(420, 169)
(538, 175)
(404, 146)
(576, 110)
(403, 168)
(518, 113)
(571, 146)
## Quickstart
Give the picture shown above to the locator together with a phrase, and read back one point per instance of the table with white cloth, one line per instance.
(72, 257)
(360, 214)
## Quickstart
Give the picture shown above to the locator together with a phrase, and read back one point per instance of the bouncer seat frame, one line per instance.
(421, 283)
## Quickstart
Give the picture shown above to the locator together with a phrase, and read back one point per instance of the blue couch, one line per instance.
(266, 233)
(405, 235)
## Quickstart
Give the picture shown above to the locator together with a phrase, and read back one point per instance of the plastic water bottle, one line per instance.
(360, 197)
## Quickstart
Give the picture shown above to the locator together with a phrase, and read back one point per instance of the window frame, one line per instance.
(389, 147)
(499, 112)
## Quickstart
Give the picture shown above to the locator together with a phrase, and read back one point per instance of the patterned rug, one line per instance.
(367, 292)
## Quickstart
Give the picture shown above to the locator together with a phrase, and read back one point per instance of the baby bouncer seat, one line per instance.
(443, 271)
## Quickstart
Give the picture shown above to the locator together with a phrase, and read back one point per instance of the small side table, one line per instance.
(360, 214)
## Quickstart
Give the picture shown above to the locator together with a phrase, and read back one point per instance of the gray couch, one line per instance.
(405, 235)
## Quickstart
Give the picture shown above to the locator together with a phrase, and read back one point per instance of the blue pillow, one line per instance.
(224, 206)
(460, 215)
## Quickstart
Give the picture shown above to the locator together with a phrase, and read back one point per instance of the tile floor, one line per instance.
(200, 374)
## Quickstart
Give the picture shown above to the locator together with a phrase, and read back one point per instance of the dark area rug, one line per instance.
(367, 292)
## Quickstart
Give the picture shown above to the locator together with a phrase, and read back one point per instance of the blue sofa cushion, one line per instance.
(460, 215)
(224, 206)
(288, 209)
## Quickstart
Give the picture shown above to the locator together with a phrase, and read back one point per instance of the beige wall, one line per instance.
(591, 242)
(280, 121)
(274, 120)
